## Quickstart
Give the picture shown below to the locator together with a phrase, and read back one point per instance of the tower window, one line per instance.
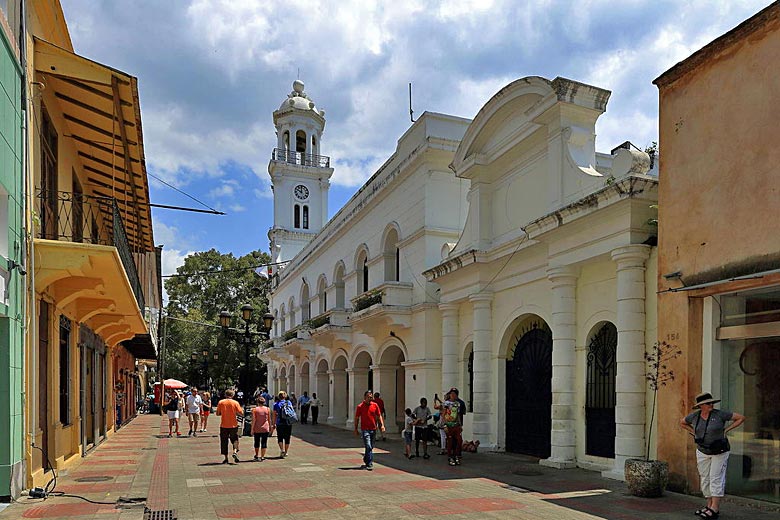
(365, 274)
(305, 217)
(297, 217)
(286, 138)
(300, 141)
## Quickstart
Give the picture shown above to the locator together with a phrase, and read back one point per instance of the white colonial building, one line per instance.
(503, 256)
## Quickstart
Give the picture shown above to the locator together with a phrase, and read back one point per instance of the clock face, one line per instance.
(301, 192)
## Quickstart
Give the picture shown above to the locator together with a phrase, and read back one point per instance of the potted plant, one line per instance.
(645, 477)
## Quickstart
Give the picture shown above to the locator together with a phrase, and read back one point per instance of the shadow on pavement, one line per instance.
(576, 489)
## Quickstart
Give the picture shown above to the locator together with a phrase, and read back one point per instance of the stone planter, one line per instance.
(646, 478)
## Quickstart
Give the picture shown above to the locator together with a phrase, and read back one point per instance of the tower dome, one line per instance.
(299, 100)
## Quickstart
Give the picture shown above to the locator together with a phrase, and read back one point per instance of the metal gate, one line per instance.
(529, 392)
(600, 395)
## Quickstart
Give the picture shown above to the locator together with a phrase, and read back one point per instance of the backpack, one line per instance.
(287, 413)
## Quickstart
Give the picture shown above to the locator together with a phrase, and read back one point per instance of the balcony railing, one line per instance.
(301, 159)
(76, 217)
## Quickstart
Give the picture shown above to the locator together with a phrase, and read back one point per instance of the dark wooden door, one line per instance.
(600, 398)
(529, 392)
(43, 378)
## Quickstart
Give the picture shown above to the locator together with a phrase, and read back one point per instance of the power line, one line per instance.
(182, 192)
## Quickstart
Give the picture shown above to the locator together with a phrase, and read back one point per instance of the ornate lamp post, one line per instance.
(247, 338)
(206, 357)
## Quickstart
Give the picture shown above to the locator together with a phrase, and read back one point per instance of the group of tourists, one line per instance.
(197, 408)
(305, 405)
(267, 418)
(447, 419)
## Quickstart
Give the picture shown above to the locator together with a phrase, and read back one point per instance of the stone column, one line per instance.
(630, 380)
(484, 419)
(449, 345)
(564, 411)
(385, 383)
(358, 383)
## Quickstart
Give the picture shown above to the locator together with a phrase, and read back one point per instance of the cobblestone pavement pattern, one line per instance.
(322, 478)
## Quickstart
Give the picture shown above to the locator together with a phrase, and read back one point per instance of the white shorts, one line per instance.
(173, 415)
(196, 413)
(712, 472)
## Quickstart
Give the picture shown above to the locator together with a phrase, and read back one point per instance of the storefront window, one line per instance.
(749, 375)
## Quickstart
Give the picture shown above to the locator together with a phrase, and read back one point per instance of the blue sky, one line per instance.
(211, 72)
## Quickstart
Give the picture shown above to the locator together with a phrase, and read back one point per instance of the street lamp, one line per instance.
(194, 356)
(247, 338)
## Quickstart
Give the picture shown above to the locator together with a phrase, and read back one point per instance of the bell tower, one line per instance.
(300, 175)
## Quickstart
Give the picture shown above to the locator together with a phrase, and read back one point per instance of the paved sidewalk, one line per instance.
(321, 479)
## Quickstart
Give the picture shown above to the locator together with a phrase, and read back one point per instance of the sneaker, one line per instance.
(426, 456)
(370, 467)
(256, 458)
(235, 457)
(281, 454)
(262, 459)
(285, 455)
(170, 435)
(225, 461)
(194, 434)
(457, 461)
(452, 462)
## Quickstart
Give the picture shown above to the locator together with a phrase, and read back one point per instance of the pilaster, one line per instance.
(484, 423)
(449, 344)
(564, 313)
(630, 380)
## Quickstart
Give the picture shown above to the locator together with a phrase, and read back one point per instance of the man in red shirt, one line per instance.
(380, 402)
(367, 414)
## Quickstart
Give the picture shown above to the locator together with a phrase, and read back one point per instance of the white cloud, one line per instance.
(211, 73)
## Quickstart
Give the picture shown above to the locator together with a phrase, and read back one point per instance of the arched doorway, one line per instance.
(529, 390)
(322, 384)
(340, 393)
(304, 377)
(392, 384)
(362, 380)
(291, 381)
(283, 383)
(600, 395)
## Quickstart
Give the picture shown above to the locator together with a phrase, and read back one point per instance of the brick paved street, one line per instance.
(321, 479)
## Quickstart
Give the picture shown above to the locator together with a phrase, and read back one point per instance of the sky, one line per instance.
(211, 73)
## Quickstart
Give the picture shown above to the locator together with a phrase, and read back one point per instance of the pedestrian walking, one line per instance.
(206, 411)
(283, 417)
(171, 407)
(450, 410)
(315, 408)
(442, 432)
(367, 415)
(261, 426)
(421, 416)
(708, 427)
(194, 406)
(381, 404)
(229, 411)
(304, 402)
(408, 431)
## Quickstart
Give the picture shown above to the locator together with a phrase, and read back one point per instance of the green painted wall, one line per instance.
(11, 282)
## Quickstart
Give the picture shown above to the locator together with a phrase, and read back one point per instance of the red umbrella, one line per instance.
(175, 383)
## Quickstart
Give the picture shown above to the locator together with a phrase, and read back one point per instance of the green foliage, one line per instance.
(366, 300)
(290, 334)
(211, 282)
(318, 321)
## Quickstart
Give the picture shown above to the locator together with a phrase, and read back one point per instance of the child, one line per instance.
(408, 428)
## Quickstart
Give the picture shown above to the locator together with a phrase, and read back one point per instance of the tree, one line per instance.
(207, 283)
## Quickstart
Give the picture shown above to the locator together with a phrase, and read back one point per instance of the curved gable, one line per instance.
(510, 104)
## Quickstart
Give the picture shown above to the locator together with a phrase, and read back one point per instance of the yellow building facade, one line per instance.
(93, 269)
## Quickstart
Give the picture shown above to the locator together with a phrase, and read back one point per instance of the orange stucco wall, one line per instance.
(719, 202)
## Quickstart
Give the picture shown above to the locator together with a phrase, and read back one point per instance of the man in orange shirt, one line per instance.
(229, 411)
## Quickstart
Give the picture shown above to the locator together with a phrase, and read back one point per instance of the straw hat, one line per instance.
(705, 398)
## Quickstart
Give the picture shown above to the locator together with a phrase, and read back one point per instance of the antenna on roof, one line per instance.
(411, 112)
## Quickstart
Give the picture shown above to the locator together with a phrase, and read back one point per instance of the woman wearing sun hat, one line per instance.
(708, 427)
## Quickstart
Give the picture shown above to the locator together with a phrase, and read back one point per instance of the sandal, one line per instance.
(698, 512)
(709, 513)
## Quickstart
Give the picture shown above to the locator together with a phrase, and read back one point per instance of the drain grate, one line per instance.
(160, 514)
(148, 449)
(94, 479)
